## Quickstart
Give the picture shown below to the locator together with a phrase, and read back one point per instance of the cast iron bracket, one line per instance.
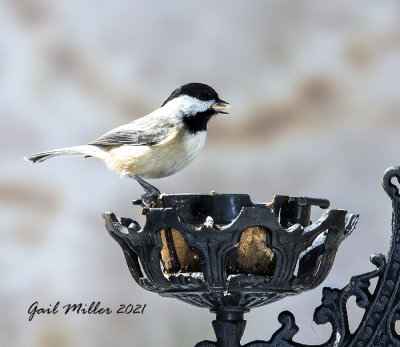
(303, 255)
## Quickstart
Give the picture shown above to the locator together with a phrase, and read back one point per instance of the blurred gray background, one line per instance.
(314, 89)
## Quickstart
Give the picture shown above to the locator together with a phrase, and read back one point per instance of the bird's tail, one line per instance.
(86, 150)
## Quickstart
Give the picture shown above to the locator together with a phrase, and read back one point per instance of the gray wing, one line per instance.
(131, 137)
(144, 132)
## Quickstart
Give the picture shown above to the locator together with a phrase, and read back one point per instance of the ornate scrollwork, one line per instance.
(296, 243)
(206, 251)
(382, 307)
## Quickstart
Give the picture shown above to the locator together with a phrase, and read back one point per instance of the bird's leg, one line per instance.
(151, 195)
(148, 188)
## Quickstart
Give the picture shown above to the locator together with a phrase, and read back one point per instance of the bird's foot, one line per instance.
(147, 200)
(150, 197)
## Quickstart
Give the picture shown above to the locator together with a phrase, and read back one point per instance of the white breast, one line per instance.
(193, 144)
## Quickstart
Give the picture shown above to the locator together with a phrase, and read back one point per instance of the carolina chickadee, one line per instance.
(159, 144)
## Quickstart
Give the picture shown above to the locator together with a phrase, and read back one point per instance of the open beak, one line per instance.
(220, 106)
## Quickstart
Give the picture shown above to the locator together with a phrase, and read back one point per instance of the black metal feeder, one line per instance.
(223, 252)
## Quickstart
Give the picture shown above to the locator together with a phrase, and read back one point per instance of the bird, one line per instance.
(157, 145)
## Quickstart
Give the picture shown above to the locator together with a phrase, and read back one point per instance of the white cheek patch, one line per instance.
(189, 105)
